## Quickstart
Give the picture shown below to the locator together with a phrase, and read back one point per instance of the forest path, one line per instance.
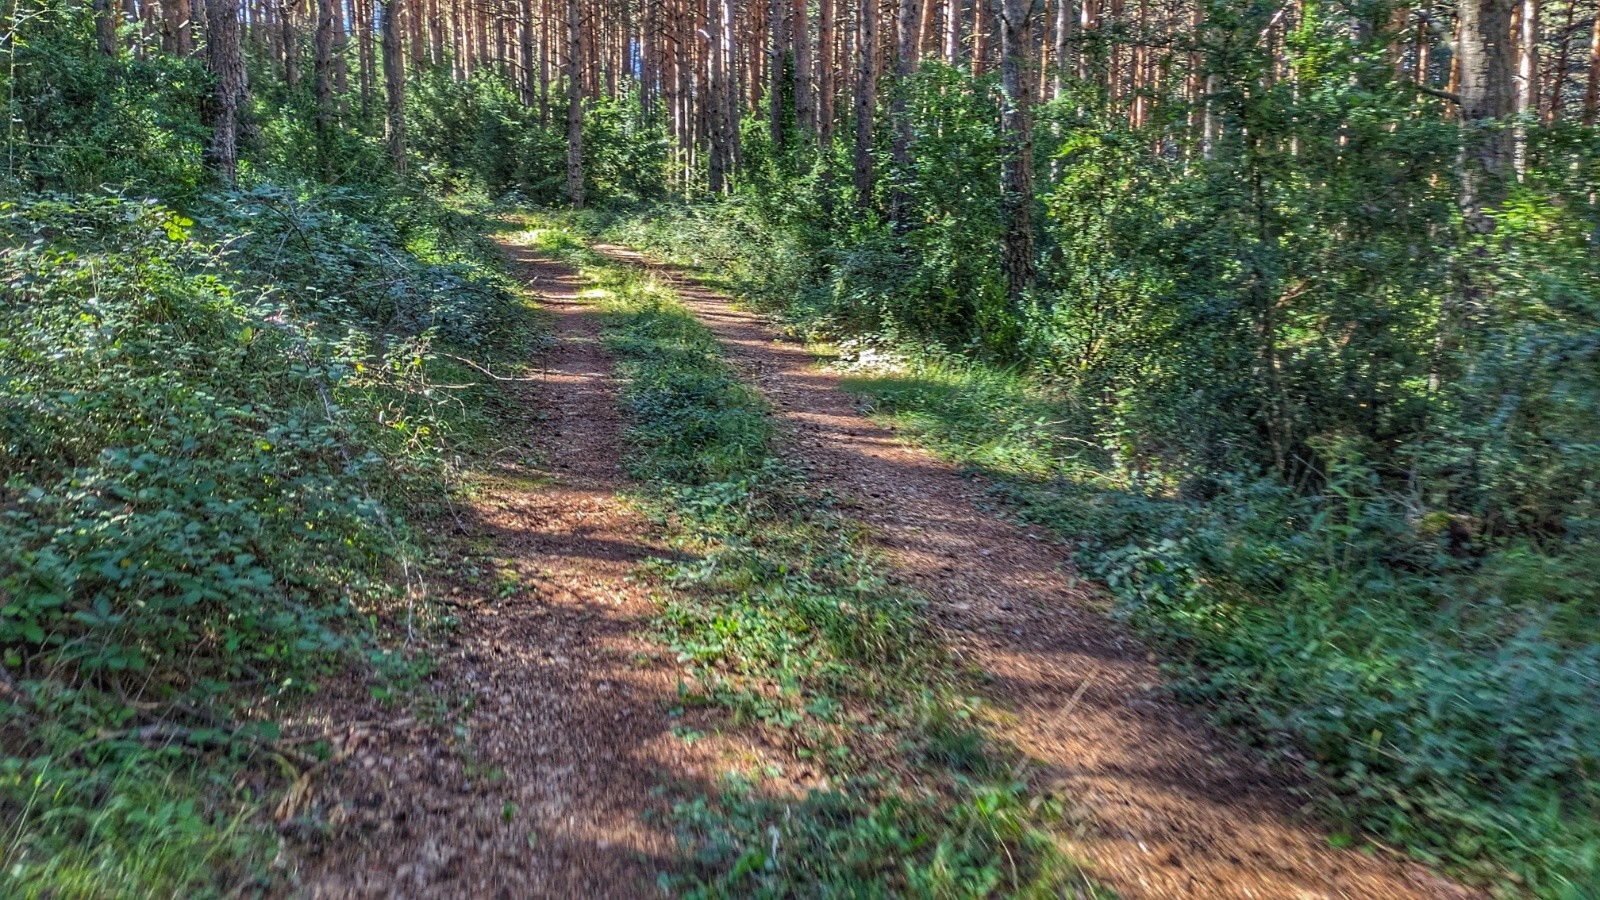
(1171, 807)
(541, 788)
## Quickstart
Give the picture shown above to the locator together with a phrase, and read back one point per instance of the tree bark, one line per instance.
(394, 85)
(322, 73)
(1527, 80)
(225, 61)
(1591, 96)
(905, 65)
(866, 98)
(105, 26)
(1016, 128)
(574, 106)
(800, 31)
(1486, 100)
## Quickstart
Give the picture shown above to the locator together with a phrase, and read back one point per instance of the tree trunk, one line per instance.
(1486, 100)
(1063, 47)
(952, 32)
(866, 98)
(775, 109)
(322, 72)
(905, 65)
(225, 61)
(105, 26)
(574, 107)
(804, 111)
(1016, 128)
(1591, 96)
(825, 84)
(176, 36)
(1527, 80)
(394, 85)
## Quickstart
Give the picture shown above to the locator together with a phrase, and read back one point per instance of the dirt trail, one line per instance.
(545, 793)
(1172, 808)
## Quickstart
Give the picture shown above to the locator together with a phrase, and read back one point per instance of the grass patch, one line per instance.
(786, 623)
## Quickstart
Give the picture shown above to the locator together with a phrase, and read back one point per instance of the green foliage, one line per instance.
(79, 121)
(481, 131)
(210, 451)
(1332, 448)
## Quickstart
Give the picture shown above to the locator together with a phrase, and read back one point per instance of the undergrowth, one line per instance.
(785, 622)
(216, 427)
(1435, 661)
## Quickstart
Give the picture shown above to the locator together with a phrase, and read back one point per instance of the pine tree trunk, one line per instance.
(825, 68)
(800, 33)
(105, 26)
(394, 84)
(1527, 86)
(574, 107)
(1591, 96)
(905, 65)
(225, 61)
(322, 72)
(866, 97)
(778, 13)
(1487, 63)
(1016, 128)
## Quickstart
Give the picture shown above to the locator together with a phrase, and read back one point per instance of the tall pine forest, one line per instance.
(1275, 322)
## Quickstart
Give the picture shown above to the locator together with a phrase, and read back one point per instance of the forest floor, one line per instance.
(549, 781)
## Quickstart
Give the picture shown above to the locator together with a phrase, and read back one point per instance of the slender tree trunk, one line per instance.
(952, 32)
(866, 98)
(804, 111)
(291, 45)
(574, 106)
(1487, 63)
(105, 26)
(905, 65)
(1016, 127)
(825, 68)
(1063, 47)
(394, 84)
(225, 61)
(1558, 74)
(322, 71)
(1591, 95)
(1527, 86)
(775, 107)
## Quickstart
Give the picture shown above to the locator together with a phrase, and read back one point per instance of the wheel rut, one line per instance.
(1170, 807)
(541, 788)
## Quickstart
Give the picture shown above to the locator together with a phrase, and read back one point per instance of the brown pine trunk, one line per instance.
(1063, 47)
(323, 74)
(825, 84)
(291, 45)
(905, 65)
(866, 97)
(1487, 63)
(394, 85)
(176, 36)
(225, 61)
(574, 106)
(1016, 128)
(1591, 96)
(105, 26)
(366, 58)
(779, 13)
(804, 111)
